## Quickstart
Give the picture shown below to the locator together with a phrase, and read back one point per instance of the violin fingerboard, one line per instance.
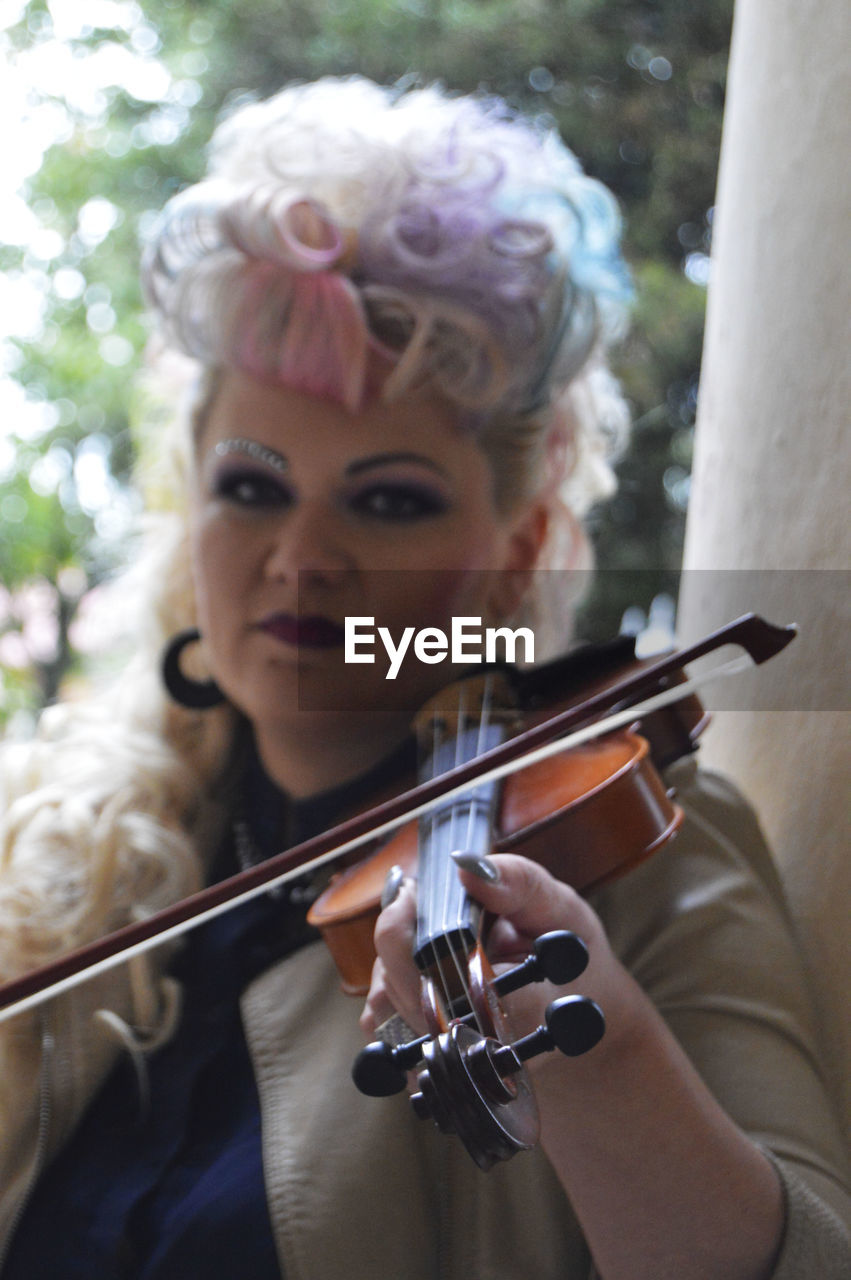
(447, 919)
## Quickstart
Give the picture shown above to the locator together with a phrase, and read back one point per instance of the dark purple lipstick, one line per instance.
(308, 632)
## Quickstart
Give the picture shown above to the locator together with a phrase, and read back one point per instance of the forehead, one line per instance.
(296, 423)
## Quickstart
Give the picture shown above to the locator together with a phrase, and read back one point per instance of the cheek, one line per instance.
(476, 563)
(216, 570)
(429, 598)
(464, 561)
(201, 561)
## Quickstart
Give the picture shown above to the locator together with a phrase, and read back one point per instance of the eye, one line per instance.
(399, 502)
(249, 488)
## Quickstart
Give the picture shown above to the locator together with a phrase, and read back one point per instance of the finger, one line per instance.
(396, 926)
(395, 981)
(377, 1007)
(528, 898)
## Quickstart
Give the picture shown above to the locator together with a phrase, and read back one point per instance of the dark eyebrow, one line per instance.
(382, 459)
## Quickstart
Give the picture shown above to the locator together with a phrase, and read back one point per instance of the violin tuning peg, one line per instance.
(428, 1105)
(375, 1071)
(562, 956)
(558, 957)
(380, 1069)
(573, 1025)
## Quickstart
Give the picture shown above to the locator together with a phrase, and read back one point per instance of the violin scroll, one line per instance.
(475, 1086)
(559, 957)
(471, 1083)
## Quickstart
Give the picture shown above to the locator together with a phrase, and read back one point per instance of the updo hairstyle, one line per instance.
(343, 226)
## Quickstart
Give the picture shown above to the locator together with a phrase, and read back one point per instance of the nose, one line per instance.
(308, 544)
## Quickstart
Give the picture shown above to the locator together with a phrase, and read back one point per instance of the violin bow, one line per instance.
(760, 639)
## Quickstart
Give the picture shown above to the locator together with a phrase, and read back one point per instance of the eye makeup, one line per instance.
(398, 501)
(378, 487)
(401, 486)
(254, 450)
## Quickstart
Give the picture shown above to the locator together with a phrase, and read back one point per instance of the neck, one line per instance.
(320, 755)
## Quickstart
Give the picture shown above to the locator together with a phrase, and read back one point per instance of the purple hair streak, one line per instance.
(464, 244)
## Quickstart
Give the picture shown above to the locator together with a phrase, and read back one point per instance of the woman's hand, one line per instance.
(527, 902)
(656, 1171)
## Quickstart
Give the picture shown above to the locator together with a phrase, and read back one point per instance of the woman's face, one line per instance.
(304, 514)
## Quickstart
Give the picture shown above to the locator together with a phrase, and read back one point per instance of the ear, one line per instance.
(526, 538)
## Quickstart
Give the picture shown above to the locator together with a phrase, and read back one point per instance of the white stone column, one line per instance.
(772, 473)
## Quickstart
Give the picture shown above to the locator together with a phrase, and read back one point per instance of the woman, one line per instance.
(399, 306)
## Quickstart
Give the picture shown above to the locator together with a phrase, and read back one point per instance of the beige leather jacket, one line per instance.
(359, 1187)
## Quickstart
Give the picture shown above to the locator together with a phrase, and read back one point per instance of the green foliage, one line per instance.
(636, 87)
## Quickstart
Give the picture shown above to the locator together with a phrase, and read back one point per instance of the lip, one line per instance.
(310, 631)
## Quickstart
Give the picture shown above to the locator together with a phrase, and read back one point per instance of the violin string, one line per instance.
(481, 738)
(435, 857)
(484, 725)
(441, 844)
(426, 888)
(450, 871)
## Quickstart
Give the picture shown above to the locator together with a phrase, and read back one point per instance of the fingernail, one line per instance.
(393, 882)
(477, 863)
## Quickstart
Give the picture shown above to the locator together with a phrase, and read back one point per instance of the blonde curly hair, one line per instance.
(341, 225)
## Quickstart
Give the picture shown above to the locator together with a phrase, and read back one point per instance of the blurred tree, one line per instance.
(115, 100)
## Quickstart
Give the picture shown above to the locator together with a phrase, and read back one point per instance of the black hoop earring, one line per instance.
(198, 695)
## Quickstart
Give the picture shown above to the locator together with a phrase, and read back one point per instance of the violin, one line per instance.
(587, 815)
(605, 811)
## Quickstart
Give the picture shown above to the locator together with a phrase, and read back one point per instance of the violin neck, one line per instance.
(447, 919)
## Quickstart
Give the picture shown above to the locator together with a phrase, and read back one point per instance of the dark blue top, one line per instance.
(176, 1192)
